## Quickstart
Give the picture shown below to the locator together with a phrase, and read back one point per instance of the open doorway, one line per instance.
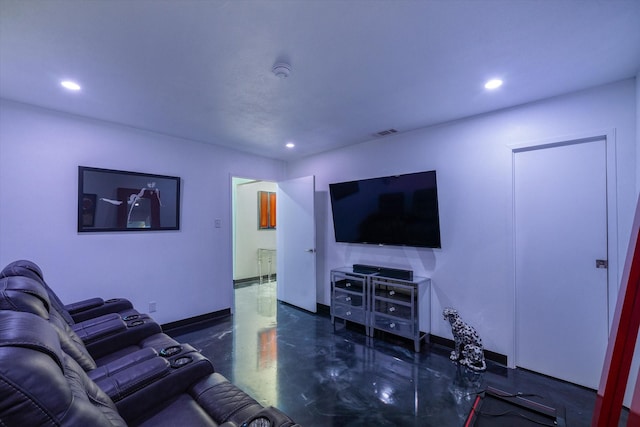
(254, 231)
(255, 248)
(254, 281)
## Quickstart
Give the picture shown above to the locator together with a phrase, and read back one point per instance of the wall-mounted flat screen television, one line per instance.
(400, 210)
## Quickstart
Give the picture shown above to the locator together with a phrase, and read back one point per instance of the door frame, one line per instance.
(609, 137)
(232, 222)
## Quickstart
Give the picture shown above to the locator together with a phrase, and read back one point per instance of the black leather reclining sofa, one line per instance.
(111, 366)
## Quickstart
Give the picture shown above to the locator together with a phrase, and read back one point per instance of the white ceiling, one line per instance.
(202, 69)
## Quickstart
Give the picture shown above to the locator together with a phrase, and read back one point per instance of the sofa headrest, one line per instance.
(21, 293)
(23, 267)
(19, 329)
(29, 269)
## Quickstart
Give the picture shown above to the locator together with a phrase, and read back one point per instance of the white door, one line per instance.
(295, 242)
(560, 201)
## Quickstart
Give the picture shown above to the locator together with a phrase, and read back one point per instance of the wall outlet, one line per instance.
(217, 222)
(152, 306)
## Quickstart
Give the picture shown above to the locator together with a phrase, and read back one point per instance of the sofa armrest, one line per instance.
(131, 334)
(186, 369)
(83, 305)
(134, 378)
(122, 363)
(93, 329)
(227, 403)
(114, 305)
(223, 400)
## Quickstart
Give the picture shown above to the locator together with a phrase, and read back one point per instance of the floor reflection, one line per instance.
(255, 343)
(321, 376)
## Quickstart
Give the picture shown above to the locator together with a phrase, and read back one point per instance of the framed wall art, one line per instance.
(112, 200)
(266, 210)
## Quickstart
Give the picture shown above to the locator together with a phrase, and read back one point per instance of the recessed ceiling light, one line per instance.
(493, 84)
(290, 145)
(71, 85)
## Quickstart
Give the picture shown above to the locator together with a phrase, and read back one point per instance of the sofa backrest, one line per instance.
(21, 293)
(40, 385)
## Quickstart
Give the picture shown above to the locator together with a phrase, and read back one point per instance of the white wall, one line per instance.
(248, 237)
(187, 272)
(473, 271)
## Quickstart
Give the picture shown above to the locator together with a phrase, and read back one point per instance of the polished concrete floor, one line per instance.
(296, 361)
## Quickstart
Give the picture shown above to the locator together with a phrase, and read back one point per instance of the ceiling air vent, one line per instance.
(386, 132)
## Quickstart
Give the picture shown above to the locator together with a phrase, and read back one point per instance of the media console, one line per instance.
(367, 295)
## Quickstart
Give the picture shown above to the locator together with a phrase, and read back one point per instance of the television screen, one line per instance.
(399, 210)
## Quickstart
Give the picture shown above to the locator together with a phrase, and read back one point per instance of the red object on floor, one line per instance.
(472, 414)
(622, 342)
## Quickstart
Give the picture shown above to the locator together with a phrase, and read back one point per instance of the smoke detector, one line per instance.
(386, 132)
(281, 70)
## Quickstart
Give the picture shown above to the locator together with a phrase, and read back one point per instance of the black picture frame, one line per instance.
(115, 200)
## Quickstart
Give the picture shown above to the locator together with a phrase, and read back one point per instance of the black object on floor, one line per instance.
(497, 408)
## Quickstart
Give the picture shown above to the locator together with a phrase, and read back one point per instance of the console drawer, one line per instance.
(348, 312)
(396, 326)
(393, 309)
(393, 293)
(347, 298)
(350, 284)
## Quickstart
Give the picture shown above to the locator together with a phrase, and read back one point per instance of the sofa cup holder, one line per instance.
(181, 361)
(130, 317)
(260, 421)
(170, 351)
(135, 323)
